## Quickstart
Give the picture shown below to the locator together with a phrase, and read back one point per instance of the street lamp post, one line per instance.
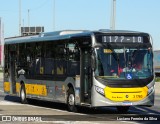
(113, 15)
(19, 17)
(53, 15)
(28, 18)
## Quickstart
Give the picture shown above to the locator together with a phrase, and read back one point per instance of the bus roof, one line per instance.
(62, 35)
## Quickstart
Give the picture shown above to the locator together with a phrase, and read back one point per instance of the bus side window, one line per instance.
(73, 68)
(61, 62)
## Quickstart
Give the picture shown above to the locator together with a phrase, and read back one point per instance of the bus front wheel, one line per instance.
(71, 100)
(122, 109)
(23, 94)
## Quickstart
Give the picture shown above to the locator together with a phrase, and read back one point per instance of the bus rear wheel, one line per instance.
(71, 100)
(23, 94)
(123, 109)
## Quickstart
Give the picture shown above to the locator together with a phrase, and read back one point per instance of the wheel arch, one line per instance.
(70, 85)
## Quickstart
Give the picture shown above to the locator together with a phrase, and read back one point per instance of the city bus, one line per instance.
(82, 68)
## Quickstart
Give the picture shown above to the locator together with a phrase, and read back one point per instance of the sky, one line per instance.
(136, 15)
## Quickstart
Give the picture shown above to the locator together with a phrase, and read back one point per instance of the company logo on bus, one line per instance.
(127, 96)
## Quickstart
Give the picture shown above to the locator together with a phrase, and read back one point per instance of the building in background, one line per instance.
(25, 31)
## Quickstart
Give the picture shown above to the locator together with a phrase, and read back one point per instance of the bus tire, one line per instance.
(123, 109)
(23, 94)
(71, 100)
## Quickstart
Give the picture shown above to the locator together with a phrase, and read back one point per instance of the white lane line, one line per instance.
(70, 122)
(84, 122)
(8, 103)
(55, 110)
(76, 114)
(129, 122)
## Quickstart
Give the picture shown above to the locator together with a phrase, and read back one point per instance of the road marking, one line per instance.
(55, 109)
(70, 122)
(98, 117)
(8, 103)
(129, 122)
(84, 122)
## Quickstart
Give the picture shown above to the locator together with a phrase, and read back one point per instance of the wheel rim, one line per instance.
(22, 94)
(71, 99)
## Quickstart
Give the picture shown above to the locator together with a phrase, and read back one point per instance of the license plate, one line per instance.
(127, 103)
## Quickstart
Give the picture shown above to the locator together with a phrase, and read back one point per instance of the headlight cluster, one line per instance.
(150, 89)
(99, 90)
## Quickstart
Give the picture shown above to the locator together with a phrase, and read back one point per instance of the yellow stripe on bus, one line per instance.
(35, 89)
(18, 87)
(126, 94)
(6, 86)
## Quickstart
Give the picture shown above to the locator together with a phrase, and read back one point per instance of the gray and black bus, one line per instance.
(82, 68)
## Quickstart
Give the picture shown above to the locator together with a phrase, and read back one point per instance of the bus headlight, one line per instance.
(99, 90)
(150, 89)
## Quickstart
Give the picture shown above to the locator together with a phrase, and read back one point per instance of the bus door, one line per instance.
(12, 74)
(85, 78)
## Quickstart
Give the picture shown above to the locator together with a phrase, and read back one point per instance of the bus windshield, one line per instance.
(124, 63)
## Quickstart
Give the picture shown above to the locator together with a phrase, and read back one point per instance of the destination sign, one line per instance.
(122, 39)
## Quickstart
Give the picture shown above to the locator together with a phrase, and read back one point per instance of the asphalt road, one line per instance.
(49, 112)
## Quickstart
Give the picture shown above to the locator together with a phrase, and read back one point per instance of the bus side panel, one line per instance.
(47, 89)
(38, 88)
(6, 86)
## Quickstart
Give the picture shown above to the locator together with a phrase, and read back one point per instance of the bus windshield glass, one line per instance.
(124, 63)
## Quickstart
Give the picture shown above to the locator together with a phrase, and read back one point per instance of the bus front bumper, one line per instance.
(99, 100)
